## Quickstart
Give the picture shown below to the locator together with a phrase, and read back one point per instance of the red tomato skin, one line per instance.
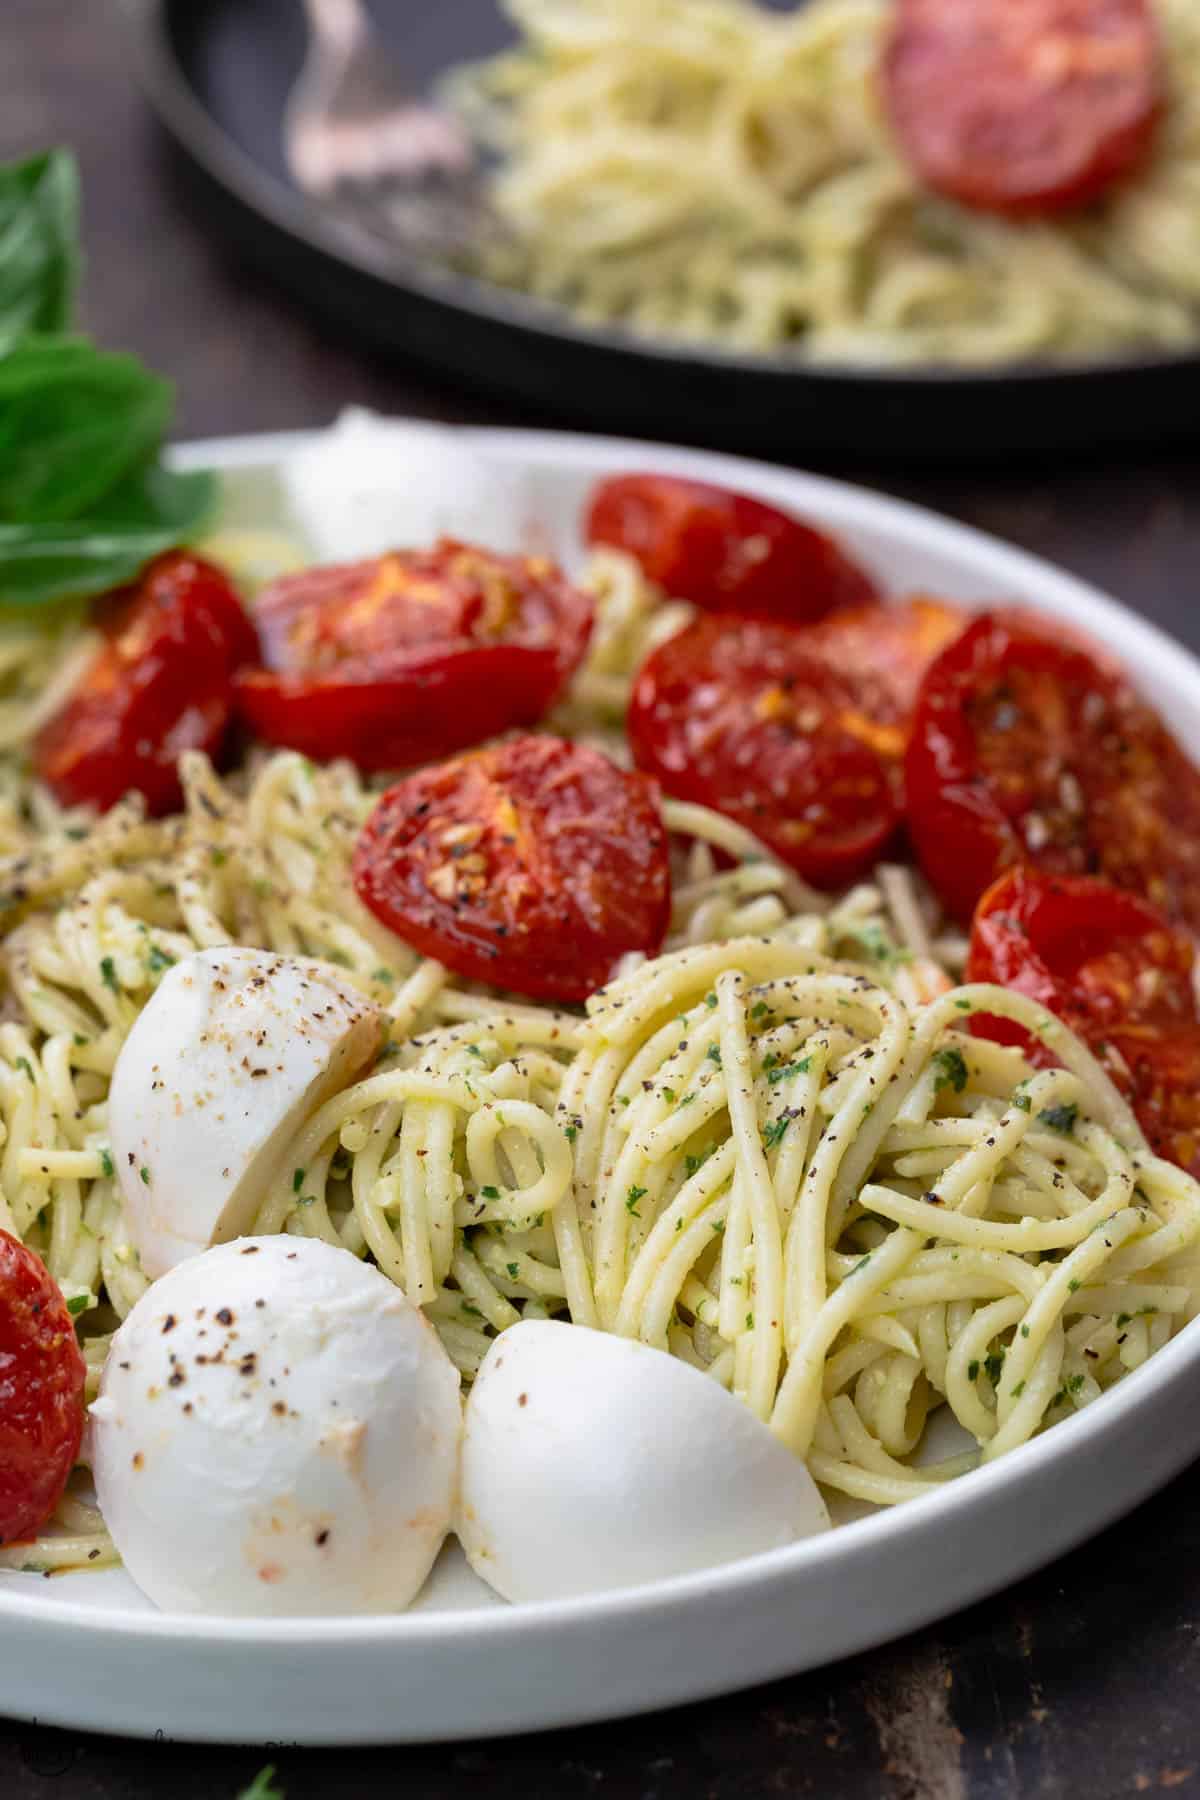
(412, 655)
(882, 652)
(746, 719)
(1159, 1069)
(1092, 954)
(433, 706)
(1024, 106)
(42, 1376)
(1027, 747)
(535, 865)
(1115, 970)
(725, 552)
(161, 683)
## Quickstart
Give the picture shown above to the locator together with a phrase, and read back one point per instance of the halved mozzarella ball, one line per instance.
(233, 1051)
(277, 1432)
(372, 484)
(592, 1462)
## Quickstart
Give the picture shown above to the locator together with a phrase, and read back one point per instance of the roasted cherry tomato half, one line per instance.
(1024, 106)
(42, 1375)
(1118, 973)
(882, 653)
(1159, 1068)
(161, 683)
(724, 552)
(412, 655)
(1027, 748)
(534, 865)
(1092, 954)
(746, 717)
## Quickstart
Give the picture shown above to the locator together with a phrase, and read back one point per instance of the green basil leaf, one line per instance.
(74, 421)
(39, 245)
(151, 512)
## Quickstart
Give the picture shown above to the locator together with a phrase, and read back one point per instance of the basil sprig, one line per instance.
(39, 245)
(84, 499)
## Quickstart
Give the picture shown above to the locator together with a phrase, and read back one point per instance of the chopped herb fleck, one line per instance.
(775, 1076)
(263, 1787)
(773, 1132)
(514, 1269)
(145, 1174)
(108, 973)
(713, 1054)
(23, 1062)
(106, 1162)
(79, 1303)
(159, 959)
(490, 1192)
(298, 1179)
(1059, 1118)
(951, 1069)
(632, 1197)
(973, 1370)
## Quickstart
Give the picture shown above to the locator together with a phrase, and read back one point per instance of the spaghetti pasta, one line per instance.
(714, 172)
(775, 1150)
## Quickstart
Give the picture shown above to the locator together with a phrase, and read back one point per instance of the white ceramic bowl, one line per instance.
(86, 1651)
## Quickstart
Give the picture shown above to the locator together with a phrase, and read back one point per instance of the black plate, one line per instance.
(218, 73)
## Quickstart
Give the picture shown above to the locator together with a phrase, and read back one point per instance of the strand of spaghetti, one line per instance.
(799, 1394)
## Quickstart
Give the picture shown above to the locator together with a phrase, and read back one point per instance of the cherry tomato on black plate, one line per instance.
(1028, 748)
(161, 683)
(725, 552)
(41, 1393)
(412, 655)
(1024, 106)
(534, 865)
(746, 718)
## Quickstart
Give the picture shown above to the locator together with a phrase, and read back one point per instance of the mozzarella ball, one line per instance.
(592, 1462)
(277, 1432)
(371, 484)
(234, 1050)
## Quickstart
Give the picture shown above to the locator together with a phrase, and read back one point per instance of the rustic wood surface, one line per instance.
(1082, 1682)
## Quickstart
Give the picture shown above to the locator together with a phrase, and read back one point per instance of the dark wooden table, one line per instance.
(1082, 1682)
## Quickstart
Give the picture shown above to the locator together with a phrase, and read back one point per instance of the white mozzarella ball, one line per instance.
(373, 484)
(277, 1432)
(592, 1462)
(224, 1063)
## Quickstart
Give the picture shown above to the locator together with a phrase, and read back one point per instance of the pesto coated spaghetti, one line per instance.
(775, 1150)
(713, 172)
